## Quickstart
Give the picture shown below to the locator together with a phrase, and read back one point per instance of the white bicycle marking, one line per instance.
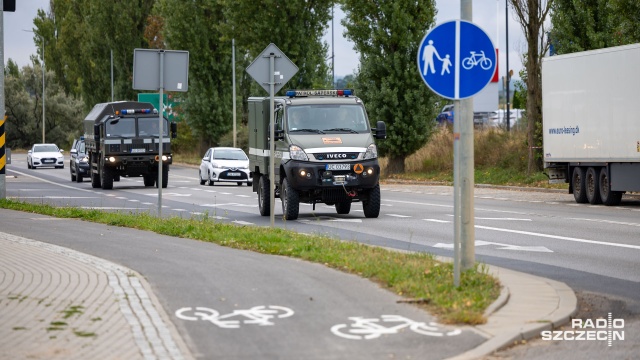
(372, 328)
(257, 315)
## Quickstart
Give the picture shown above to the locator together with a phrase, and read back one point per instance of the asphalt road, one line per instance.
(594, 249)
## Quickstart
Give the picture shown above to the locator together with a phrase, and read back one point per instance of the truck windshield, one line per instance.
(327, 118)
(149, 127)
(121, 127)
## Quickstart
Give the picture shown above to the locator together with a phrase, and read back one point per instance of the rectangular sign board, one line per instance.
(146, 70)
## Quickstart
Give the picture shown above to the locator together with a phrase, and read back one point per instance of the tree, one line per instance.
(580, 25)
(387, 36)
(23, 104)
(532, 15)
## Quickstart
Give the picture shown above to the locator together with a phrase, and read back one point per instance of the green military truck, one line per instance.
(324, 152)
(122, 138)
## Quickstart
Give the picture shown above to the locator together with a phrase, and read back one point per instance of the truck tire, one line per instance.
(609, 198)
(371, 205)
(95, 176)
(578, 185)
(592, 185)
(106, 178)
(290, 201)
(149, 180)
(165, 178)
(264, 204)
(343, 208)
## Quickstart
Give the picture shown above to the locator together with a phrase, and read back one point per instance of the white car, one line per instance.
(45, 155)
(225, 164)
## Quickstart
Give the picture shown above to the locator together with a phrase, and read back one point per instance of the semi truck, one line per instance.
(122, 139)
(324, 152)
(591, 125)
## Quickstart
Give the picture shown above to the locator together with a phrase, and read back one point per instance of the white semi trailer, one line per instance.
(591, 122)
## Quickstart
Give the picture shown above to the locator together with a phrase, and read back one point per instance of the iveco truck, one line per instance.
(591, 123)
(325, 152)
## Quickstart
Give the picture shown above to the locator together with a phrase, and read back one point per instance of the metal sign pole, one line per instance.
(272, 175)
(456, 193)
(233, 75)
(160, 140)
(3, 184)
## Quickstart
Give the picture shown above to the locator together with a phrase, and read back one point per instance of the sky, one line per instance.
(19, 45)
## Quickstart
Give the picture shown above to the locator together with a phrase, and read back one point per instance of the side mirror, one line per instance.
(174, 130)
(61, 151)
(73, 152)
(279, 134)
(29, 152)
(380, 130)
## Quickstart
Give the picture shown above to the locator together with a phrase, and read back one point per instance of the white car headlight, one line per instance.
(296, 153)
(372, 152)
(84, 159)
(215, 165)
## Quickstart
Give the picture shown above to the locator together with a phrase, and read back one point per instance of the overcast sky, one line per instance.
(488, 14)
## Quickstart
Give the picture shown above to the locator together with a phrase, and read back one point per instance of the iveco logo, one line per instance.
(336, 156)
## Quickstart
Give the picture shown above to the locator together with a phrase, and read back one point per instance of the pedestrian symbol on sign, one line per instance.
(456, 59)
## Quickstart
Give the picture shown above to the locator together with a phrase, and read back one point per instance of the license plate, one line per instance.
(233, 174)
(48, 161)
(338, 167)
(138, 150)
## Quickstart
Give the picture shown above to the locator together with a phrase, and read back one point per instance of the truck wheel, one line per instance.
(609, 198)
(371, 205)
(263, 197)
(106, 178)
(116, 178)
(343, 207)
(149, 180)
(165, 178)
(578, 185)
(592, 185)
(290, 201)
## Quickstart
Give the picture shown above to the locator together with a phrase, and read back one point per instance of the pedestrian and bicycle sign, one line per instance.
(456, 59)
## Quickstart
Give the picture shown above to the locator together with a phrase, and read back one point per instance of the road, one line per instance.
(594, 249)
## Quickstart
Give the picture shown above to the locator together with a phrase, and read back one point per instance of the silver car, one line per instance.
(45, 155)
(225, 164)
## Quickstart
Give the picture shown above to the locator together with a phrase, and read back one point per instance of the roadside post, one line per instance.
(159, 70)
(272, 69)
(456, 60)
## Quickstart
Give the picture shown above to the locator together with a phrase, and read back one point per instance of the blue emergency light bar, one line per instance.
(329, 92)
(136, 111)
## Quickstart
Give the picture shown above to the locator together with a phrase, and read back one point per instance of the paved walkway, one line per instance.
(57, 303)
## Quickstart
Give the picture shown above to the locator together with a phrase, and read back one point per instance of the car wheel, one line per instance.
(78, 176)
(239, 183)
(73, 176)
(202, 182)
(249, 183)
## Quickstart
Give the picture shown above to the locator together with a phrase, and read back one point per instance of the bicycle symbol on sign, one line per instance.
(368, 329)
(474, 59)
(257, 315)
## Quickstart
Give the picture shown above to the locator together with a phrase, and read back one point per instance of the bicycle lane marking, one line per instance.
(257, 315)
(372, 328)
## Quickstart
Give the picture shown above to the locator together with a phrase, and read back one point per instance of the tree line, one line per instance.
(81, 35)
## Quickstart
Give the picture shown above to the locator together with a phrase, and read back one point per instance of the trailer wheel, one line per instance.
(343, 208)
(592, 185)
(263, 197)
(609, 198)
(290, 201)
(371, 205)
(577, 182)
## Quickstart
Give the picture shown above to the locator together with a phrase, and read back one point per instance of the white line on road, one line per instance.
(398, 216)
(436, 220)
(561, 237)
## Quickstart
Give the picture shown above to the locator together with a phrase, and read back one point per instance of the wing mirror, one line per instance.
(380, 130)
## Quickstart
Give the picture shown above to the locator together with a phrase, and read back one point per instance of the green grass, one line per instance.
(415, 276)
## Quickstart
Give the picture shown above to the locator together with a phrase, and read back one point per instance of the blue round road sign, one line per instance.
(456, 59)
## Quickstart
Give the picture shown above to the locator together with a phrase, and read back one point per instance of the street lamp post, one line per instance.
(43, 73)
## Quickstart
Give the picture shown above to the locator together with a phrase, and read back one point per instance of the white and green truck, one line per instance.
(325, 152)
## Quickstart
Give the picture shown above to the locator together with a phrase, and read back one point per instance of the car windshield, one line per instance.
(45, 148)
(229, 154)
(327, 118)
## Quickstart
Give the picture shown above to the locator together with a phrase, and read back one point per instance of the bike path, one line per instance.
(207, 301)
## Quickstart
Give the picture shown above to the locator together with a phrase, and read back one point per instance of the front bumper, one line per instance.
(355, 175)
(47, 162)
(231, 175)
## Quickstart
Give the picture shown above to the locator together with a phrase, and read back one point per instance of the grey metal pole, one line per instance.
(233, 74)
(467, 228)
(160, 139)
(456, 192)
(43, 89)
(507, 53)
(333, 54)
(111, 75)
(272, 175)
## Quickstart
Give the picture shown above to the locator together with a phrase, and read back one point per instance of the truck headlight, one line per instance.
(372, 152)
(296, 153)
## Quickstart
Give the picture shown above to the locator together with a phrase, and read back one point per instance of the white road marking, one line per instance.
(398, 216)
(240, 222)
(506, 219)
(52, 197)
(607, 221)
(179, 209)
(110, 208)
(503, 246)
(229, 204)
(436, 220)
(561, 237)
